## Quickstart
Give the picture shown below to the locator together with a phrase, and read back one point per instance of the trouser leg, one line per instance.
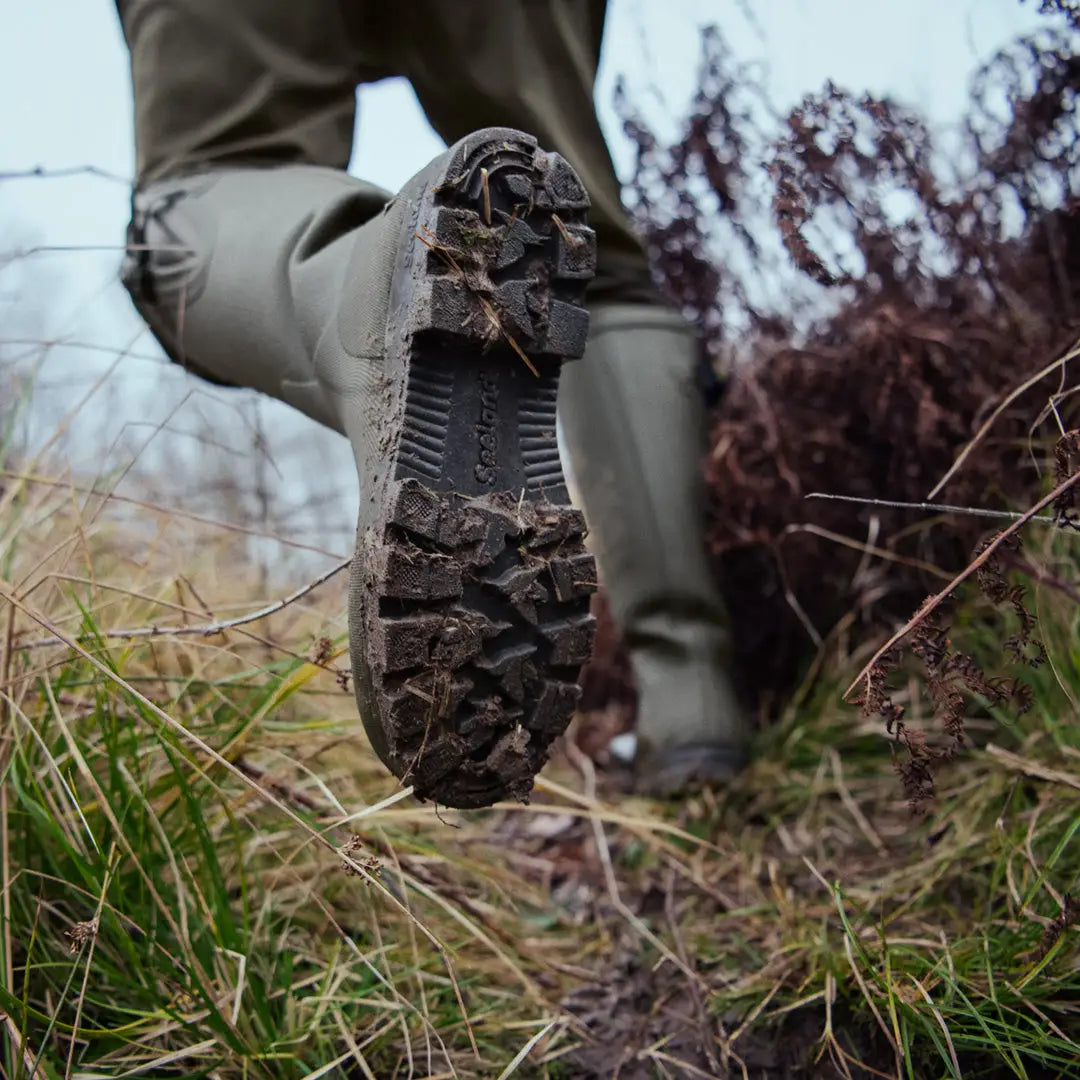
(527, 64)
(241, 82)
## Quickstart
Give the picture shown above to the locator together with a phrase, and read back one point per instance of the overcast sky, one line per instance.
(64, 81)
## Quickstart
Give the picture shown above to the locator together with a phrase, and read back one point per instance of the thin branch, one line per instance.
(207, 629)
(793, 602)
(935, 601)
(865, 548)
(939, 508)
(67, 249)
(40, 172)
(44, 344)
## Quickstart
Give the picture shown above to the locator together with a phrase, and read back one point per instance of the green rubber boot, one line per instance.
(431, 331)
(634, 422)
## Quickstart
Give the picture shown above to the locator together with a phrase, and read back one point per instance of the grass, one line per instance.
(205, 872)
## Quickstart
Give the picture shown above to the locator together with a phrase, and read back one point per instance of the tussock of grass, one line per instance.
(207, 873)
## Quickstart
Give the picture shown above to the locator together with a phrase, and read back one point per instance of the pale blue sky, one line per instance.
(64, 82)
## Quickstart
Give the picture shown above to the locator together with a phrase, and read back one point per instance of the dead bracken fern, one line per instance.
(1069, 8)
(952, 676)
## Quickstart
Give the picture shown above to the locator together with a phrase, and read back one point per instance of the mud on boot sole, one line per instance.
(469, 607)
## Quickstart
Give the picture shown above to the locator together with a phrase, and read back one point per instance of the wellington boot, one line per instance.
(634, 421)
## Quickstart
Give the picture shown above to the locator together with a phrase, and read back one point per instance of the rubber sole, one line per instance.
(469, 612)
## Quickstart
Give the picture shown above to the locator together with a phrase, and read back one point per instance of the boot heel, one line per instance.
(480, 631)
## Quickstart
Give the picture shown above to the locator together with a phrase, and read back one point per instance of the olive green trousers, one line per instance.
(221, 83)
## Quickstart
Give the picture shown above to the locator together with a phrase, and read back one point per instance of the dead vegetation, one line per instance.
(920, 281)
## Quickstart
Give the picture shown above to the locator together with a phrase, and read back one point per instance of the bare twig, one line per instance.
(865, 548)
(68, 249)
(183, 515)
(40, 172)
(36, 345)
(793, 603)
(1026, 385)
(207, 629)
(939, 508)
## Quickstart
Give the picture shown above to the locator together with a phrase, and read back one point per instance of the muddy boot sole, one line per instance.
(469, 607)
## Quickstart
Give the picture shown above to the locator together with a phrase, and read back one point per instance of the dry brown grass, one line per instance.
(199, 817)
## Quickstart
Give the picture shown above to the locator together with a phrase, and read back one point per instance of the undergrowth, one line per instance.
(207, 873)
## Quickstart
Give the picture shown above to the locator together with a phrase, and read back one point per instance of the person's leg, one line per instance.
(632, 415)
(244, 116)
(429, 328)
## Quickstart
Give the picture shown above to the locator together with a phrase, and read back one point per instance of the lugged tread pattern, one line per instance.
(537, 426)
(509, 253)
(469, 608)
(480, 643)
